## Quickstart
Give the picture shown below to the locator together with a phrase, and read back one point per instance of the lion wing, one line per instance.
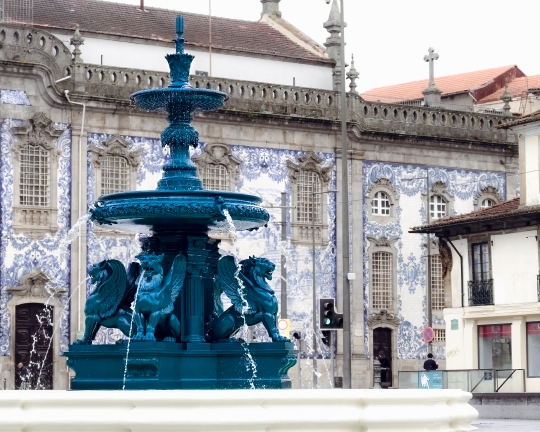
(112, 290)
(173, 283)
(229, 283)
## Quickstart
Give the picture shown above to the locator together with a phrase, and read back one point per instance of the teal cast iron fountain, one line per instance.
(168, 302)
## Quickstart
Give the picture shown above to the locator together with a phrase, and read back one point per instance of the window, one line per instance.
(437, 207)
(481, 268)
(380, 204)
(308, 197)
(495, 346)
(35, 179)
(439, 335)
(487, 203)
(114, 175)
(437, 283)
(215, 177)
(382, 280)
(533, 349)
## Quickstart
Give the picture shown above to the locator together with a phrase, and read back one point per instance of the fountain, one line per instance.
(178, 336)
(168, 306)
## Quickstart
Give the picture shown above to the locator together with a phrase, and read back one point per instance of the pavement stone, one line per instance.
(507, 425)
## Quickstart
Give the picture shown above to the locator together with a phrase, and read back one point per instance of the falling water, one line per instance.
(250, 361)
(133, 305)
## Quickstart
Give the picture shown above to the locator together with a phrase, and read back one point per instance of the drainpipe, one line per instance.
(81, 210)
(461, 262)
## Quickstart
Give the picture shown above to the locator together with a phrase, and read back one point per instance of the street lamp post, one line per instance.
(345, 214)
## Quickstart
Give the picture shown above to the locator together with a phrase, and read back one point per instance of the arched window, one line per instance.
(437, 206)
(115, 176)
(308, 197)
(380, 204)
(215, 177)
(35, 177)
(382, 280)
(437, 283)
(488, 202)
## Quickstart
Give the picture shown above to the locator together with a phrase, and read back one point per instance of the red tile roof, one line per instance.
(96, 16)
(516, 87)
(479, 83)
(504, 209)
(529, 118)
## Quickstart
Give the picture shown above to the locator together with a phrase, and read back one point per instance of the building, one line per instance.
(492, 278)
(270, 137)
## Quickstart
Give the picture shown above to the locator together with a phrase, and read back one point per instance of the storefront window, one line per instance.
(533, 349)
(495, 346)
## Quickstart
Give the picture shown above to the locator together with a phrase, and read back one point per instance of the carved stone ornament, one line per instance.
(219, 154)
(488, 192)
(446, 257)
(34, 285)
(439, 188)
(39, 131)
(310, 162)
(383, 318)
(116, 146)
(383, 183)
(383, 241)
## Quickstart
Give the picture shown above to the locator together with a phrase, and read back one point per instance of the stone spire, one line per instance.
(506, 97)
(271, 7)
(353, 76)
(432, 95)
(333, 42)
(77, 40)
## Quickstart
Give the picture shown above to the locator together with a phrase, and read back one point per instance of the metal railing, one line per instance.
(472, 380)
(481, 292)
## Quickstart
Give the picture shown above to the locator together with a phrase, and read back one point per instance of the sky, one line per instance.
(389, 38)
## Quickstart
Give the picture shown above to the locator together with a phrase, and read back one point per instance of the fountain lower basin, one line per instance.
(238, 410)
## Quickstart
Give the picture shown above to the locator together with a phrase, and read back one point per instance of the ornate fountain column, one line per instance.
(200, 274)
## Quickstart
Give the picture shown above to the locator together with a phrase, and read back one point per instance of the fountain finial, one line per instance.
(180, 34)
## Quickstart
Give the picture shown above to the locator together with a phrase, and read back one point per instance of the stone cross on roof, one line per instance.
(431, 57)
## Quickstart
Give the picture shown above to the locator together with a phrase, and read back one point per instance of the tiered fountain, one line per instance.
(179, 337)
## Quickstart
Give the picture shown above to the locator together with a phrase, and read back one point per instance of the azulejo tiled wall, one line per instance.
(21, 255)
(263, 172)
(410, 183)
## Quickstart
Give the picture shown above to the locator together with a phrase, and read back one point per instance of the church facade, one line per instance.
(65, 142)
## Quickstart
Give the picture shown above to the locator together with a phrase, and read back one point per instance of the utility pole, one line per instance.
(428, 287)
(283, 257)
(345, 217)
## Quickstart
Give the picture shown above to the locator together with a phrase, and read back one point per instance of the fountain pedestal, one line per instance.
(176, 366)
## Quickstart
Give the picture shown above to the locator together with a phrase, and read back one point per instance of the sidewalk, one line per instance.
(507, 425)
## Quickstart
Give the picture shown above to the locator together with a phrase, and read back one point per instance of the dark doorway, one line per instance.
(33, 333)
(382, 342)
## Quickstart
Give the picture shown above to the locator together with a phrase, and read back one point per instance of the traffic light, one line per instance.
(329, 319)
(326, 335)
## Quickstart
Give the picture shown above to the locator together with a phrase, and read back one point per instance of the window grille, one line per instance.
(437, 284)
(35, 179)
(437, 206)
(439, 335)
(114, 175)
(308, 197)
(215, 177)
(487, 203)
(17, 11)
(380, 204)
(382, 280)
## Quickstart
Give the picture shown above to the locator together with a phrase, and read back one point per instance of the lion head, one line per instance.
(151, 270)
(258, 269)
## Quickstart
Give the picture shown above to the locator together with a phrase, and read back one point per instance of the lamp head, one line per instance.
(327, 1)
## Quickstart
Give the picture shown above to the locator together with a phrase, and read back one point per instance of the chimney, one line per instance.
(271, 8)
(142, 5)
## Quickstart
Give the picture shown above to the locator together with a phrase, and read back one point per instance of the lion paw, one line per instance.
(169, 339)
(149, 337)
(138, 337)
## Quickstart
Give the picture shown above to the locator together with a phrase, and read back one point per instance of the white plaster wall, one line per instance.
(239, 67)
(532, 176)
(455, 358)
(455, 275)
(515, 266)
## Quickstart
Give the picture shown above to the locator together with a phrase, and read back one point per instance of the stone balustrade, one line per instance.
(27, 44)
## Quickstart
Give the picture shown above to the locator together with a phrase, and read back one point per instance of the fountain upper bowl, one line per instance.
(186, 99)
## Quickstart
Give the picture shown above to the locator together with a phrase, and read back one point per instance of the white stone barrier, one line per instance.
(237, 410)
